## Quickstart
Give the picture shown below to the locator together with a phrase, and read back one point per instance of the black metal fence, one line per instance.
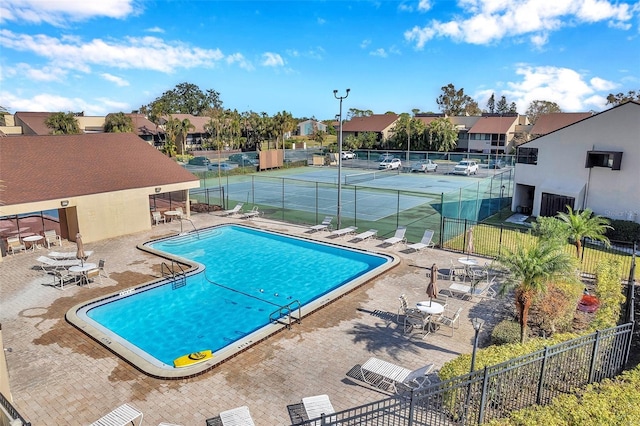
(489, 240)
(493, 392)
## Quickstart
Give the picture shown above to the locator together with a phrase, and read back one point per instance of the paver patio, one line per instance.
(59, 376)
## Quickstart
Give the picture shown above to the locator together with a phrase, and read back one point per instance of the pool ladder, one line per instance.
(179, 277)
(283, 315)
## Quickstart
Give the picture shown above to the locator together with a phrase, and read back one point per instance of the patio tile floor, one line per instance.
(59, 376)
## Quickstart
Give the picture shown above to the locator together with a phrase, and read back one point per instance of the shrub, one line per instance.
(609, 291)
(610, 402)
(623, 230)
(505, 332)
(554, 310)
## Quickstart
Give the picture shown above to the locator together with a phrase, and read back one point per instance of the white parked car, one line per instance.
(390, 163)
(424, 166)
(386, 157)
(348, 155)
(466, 167)
(223, 167)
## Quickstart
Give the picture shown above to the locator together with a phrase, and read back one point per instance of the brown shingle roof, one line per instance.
(372, 123)
(142, 125)
(499, 125)
(33, 122)
(38, 168)
(198, 121)
(548, 123)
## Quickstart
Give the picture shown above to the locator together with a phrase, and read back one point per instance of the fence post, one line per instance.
(317, 221)
(283, 199)
(441, 219)
(411, 406)
(398, 210)
(483, 395)
(594, 352)
(543, 369)
(355, 205)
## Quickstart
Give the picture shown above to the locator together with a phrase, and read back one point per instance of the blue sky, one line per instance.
(269, 56)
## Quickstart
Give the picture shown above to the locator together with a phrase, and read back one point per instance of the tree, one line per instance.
(443, 135)
(186, 98)
(118, 123)
(532, 265)
(182, 128)
(501, 106)
(537, 108)
(621, 98)
(454, 102)
(3, 111)
(283, 123)
(354, 112)
(584, 224)
(62, 123)
(491, 104)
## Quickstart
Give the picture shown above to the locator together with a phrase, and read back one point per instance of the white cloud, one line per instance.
(321, 21)
(147, 53)
(43, 102)
(566, 87)
(238, 58)
(365, 43)
(270, 59)
(111, 105)
(45, 74)
(115, 79)
(489, 21)
(379, 52)
(155, 30)
(59, 12)
(424, 5)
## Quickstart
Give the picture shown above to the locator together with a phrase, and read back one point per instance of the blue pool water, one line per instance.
(247, 274)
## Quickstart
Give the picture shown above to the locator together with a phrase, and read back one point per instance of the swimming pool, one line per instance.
(245, 284)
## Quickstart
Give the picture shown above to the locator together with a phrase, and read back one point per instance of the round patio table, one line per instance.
(33, 239)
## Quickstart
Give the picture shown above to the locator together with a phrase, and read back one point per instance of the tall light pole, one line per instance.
(339, 212)
(477, 325)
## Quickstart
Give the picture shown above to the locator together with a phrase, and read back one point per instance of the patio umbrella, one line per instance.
(469, 242)
(80, 252)
(432, 288)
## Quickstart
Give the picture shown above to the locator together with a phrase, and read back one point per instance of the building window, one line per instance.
(527, 156)
(608, 159)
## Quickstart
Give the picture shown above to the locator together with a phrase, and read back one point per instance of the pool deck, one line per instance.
(59, 376)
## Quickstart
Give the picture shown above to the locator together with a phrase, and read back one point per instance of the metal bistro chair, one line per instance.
(404, 308)
(452, 321)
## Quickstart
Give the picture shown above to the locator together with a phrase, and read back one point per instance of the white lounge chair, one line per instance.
(365, 235)
(398, 237)
(344, 231)
(377, 372)
(51, 237)
(237, 417)
(57, 255)
(424, 242)
(317, 406)
(325, 225)
(251, 213)
(121, 416)
(46, 263)
(233, 211)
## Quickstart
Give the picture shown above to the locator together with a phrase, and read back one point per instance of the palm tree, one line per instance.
(183, 128)
(532, 266)
(584, 224)
(62, 123)
(118, 123)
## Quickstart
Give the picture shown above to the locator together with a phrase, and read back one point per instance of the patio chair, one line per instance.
(158, 218)
(424, 242)
(317, 406)
(451, 320)
(377, 372)
(233, 211)
(62, 277)
(14, 244)
(180, 212)
(398, 237)
(325, 225)
(371, 233)
(236, 417)
(251, 213)
(103, 272)
(51, 237)
(404, 308)
(344, 231)
(121, 416)
(47, 264)
(417, 320)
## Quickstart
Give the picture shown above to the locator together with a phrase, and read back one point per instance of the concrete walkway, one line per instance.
(59, 376)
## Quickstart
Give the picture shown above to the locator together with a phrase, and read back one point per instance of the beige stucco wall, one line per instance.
(107, 215)
(562, 157)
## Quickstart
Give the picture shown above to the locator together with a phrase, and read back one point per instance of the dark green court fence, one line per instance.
(307, 202)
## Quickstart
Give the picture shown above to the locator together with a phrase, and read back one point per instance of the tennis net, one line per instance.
(366, 176)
